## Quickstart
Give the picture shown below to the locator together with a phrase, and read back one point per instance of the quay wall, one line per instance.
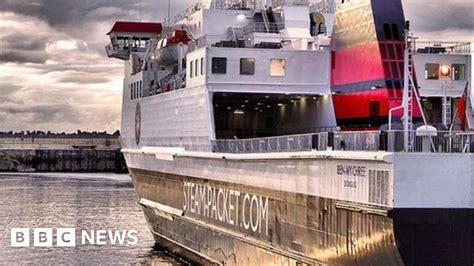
(62, 160)
(59, 143)
(61, 154)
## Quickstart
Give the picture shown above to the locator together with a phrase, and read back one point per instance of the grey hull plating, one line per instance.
(301, 228)
(307, 229)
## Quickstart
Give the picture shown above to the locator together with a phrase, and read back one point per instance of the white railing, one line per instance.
(277, 3)
(273, 27)
(437, 47)
(184, 14)
(357, 141)
(441, 141)
(293, 143)
(392, 141)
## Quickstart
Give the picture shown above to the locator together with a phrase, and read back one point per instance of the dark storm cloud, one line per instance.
(66, 13)
(15, 56)
(22, 48)
(21, 41)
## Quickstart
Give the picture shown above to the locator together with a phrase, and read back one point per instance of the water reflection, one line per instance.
(81, 201)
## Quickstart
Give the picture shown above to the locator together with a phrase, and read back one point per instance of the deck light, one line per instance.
(445, 71)
(241, 16)
(238, 112)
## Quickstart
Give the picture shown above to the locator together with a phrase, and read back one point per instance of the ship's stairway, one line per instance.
(266, 21)
(238, 35)
(470, 111)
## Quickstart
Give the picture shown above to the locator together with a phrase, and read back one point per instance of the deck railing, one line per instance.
(391, 141)
(292, 143)
(273, 27)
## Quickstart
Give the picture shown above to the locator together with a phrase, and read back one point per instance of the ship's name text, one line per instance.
(352, 170)
(248, 211)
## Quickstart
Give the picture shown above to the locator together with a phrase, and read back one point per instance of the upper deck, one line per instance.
(430, 57)
(259, 70)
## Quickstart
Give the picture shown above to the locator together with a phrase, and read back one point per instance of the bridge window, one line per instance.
(196, 72)
(202, 63)
(141, 89)
(191, 72)
(247, 66)
(459, 71)
(432, 71)
(277, 67)
(219, 65)
(136, 90)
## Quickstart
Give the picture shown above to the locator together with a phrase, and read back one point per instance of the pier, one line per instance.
(60, 152)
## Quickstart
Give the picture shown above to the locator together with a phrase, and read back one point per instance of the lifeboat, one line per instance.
(168, 48)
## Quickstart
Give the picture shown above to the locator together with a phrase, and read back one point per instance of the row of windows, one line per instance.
(458, 71)
(135, 42)
(196, 69)
(136, 90)
(247, 66)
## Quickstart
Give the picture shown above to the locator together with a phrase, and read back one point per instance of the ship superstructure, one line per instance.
(238, 127)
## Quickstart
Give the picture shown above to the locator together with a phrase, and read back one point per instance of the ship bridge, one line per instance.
(127, 37)
(444, 76)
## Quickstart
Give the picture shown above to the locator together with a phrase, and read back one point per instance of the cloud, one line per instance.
(441, 15)
(14, 56)
(20, 47)
(441, 20)
(21, 41)
(81, 78)
(59, 109)
(52, 81)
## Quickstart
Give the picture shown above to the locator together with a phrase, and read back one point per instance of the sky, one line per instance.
(54, 75)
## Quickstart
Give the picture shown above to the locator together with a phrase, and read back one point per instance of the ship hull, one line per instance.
(316, 208)
(302, 228)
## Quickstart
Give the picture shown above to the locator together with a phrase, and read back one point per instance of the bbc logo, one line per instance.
(43, 237)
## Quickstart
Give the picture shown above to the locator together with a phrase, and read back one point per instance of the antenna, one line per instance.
(169, 10)
(140, 10)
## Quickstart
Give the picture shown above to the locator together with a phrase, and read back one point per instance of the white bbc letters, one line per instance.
(66, 237)
(43, 237)
(20, 237)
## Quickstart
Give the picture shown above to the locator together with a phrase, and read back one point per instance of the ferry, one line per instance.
(296, 132)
